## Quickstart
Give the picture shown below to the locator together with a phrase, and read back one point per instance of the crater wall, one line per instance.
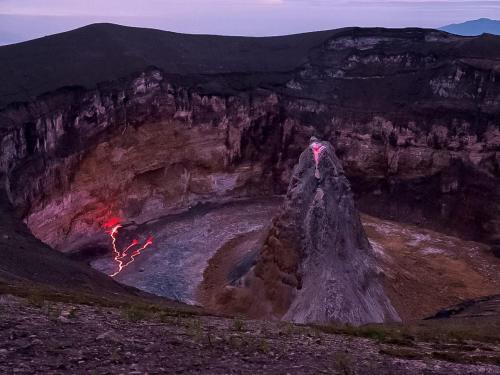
(413, 116)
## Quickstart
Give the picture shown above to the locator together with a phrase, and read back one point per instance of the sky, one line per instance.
(27, 19)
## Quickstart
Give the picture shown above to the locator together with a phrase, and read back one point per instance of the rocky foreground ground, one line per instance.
(43, 337)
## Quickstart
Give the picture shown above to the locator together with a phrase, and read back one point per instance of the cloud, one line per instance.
(119, 8)
(127, 7)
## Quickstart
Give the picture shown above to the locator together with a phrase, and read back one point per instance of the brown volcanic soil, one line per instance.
(240, 251)
(425, 270)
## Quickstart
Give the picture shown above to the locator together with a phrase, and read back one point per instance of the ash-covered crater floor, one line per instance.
(184, 243)
(211, 245)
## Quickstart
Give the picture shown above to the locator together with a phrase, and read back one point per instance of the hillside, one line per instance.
(106, 52)
(474, 27)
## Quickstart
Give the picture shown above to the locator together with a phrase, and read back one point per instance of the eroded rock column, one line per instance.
(317, 264)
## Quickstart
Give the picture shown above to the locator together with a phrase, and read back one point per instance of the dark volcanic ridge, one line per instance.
(91, 55)
(474, 27)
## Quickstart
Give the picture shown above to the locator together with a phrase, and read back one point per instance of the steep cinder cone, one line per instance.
(317, 264)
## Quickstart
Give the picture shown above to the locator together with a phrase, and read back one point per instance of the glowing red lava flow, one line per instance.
(317, 149)
(120, 257)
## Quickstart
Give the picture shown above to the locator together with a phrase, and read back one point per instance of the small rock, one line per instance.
(25, 348)
(110, 336)
(63, 319)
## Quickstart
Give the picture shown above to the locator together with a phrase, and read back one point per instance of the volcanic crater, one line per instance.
(199, 155)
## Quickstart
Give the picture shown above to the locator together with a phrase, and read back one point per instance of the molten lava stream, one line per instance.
(122, 258)
(317, 149)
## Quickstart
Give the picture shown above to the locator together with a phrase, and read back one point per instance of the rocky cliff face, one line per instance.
(412, 114)
(316, 264)
(160, 151)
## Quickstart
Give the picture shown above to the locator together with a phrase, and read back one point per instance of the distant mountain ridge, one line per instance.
(474, 27)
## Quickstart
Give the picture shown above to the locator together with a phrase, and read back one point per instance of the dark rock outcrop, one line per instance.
(485, 307)
(316, 264)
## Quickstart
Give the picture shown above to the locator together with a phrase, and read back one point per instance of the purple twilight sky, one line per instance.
(27, 19)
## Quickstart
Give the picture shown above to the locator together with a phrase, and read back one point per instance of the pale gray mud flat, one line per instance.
(183, 244)
(209, 246)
